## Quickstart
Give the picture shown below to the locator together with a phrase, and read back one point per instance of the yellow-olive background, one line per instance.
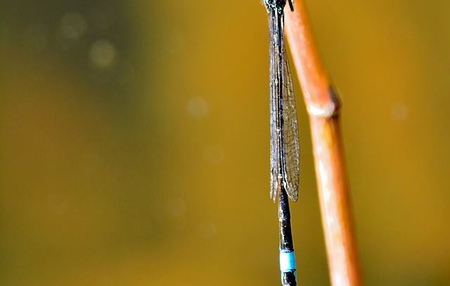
(134, 142)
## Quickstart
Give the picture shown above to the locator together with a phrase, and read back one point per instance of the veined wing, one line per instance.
(284, 144)
(290, 135)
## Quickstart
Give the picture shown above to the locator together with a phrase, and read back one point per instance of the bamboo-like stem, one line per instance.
(323, 105)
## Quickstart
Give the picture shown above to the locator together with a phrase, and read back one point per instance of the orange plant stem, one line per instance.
(323, 107)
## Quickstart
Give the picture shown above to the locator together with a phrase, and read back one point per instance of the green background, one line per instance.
(134, 142)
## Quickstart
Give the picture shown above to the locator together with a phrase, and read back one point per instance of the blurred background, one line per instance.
(134, 142)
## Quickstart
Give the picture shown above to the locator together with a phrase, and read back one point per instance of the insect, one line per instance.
(284, 143)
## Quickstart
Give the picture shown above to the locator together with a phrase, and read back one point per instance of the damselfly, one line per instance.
(284, 144)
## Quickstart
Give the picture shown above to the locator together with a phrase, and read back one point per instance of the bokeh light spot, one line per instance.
(197, 107)
(102, 54)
